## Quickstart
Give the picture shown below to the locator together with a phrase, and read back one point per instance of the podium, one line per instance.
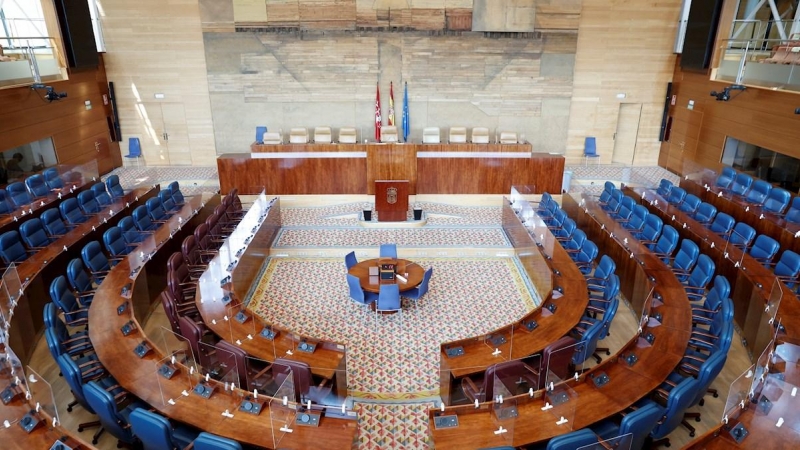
(391, 200)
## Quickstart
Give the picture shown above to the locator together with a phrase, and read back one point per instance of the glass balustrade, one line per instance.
(26, 60)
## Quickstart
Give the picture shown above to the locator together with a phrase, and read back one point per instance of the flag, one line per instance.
(391, 104)
(406, 124)
(378, 118)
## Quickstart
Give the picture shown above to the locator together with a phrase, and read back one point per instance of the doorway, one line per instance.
(627, 132)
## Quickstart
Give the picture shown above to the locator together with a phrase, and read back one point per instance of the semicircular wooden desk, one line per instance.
(412, 271)
(639, 271)
(144, 271)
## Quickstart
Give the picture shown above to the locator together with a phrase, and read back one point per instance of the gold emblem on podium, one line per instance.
(391, 195)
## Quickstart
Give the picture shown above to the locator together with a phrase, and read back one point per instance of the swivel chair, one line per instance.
(155, 432)
(36, 185)
(33, 235)
(114, 188)
(52, 179)
(52, 223)
(88, 203)
(71, 212)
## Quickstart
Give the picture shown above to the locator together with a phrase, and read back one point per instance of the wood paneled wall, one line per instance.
(79, 134)
(761, 117)
(624, 47)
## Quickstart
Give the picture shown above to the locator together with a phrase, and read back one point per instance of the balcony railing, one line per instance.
(767, 63)
(30, 60)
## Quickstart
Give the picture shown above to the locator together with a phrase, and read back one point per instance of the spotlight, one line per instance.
(50, 93)
(725, 95)
(797, 111)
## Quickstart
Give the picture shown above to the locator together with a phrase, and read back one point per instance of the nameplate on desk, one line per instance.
(307, 347)
(268, 334)
(58, 445)
(600, 379)
(203, 390)
(452, 352)
(450, 421)
(29, 422)
(307, 419)
(167, 371)
(497, 339)
(251, 406)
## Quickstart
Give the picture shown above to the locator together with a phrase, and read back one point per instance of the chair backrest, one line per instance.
(88, 203)
(556, 361)
(103, 404)
(260, 134)
(77, 276)
(726, 177)
(113, 186)
(19, 194)
(71, 212)
(702, 272)
(33, 234)
(722, 224)
(687, 255)
(356, 293)
(741, 184)
(177, 195)
(156, 209)
(100, 194)
(63, 297)
(587, 255)
(588, 342)
(129, 231)
(431, 135)
(298, 136)
(573, 440)
(676, 195)
(388, 298)
(141, 219)
(458, 135)
(422, 289)
(52, 179)
(652, 228)
(640, 422)
(793, 214)
(508, 137)
(668, 241)
(679, 399)
(760, 191)
(388, 133)
(6, 207)
(788, 265)
(626, 207)
(742, 235)
(11, 248)
(764, 248)
(94, 258)
(605, 268)
(134, 148)
(590, 146)
(322, 135)
(576, 241)
(208, 441)
(347, 135)
(664, 188)
(114, 242)
(638, 217)
(233, 357)
(777, 200)
(705, 212)
(153, 430)
(350, 260)
(37, 186)
(52, 223)
(614, 202)
(709, 370)
(72, 375)
(480, 135)
(690, 204)
(388, 251)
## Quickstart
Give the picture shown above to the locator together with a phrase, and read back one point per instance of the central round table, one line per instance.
(412, 271)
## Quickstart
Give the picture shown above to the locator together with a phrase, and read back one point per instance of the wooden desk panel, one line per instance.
(488, 175)
(392, 162)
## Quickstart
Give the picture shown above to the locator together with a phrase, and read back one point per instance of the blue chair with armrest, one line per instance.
(664, 187)
(793, 214)
(741, 236)
(725, 178)
(177, 195)
(115, 244)
(52, 179)
(101, 195)
(33, 234)
(685, 260)
(155, 432)
(722, 224)
(679, 399)
(114, 188)
(37, 186)
(639, 422)
(585, 258)
(605, 268)
(75, 313)
(741, 184)
(165, 196)
(786, 269)
(665, 244)
(701, 275)
(76, 375)
(676, 195)
(573, 440)
(690, 204)
(52, 223)
(777, 201)
(614, 202)
(637, 220)
(156, 210)
(142, 220)
(625, 209)
(706, 375)
(129, 231)
(88, 203)
(19, 194)
(208, 441)
(113, 418)
(80, 281)
(575, 242)
(96, 261)
(764, 249)
(651, 230)
(705, 213)
(11, 248)
(6, 207)
(759, 193)
(566, 230)
(71, 212)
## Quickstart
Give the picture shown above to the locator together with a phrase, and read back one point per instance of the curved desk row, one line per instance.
(627, 383)
(172, 396)
(429, 168)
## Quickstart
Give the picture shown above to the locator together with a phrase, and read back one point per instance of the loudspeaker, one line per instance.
(116, 132)
(701, 32)
(76, 30)
(665, 114)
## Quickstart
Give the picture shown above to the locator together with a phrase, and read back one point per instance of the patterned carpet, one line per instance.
(400, 360)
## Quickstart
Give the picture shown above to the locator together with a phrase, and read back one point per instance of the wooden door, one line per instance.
(627, 132)
(176, 133)
(152, 140)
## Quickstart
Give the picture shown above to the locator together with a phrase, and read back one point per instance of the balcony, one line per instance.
(30, 60)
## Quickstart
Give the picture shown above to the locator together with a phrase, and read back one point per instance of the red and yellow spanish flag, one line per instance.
(391, 104)
(378, 118)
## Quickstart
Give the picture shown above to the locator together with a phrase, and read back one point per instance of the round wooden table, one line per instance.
(412, 271)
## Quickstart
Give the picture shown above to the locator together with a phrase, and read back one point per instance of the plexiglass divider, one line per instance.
(623, 442)
(282, 408)
(738, 395)
(560, 400)
(40, 397)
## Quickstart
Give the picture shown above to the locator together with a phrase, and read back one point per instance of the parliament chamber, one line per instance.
(483, 224)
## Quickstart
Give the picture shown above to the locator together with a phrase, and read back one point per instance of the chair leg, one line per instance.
(71, 405)
(659, 442)
(686, 424)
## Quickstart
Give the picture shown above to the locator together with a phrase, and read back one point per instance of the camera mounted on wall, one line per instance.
(50, 94)
(725, 95)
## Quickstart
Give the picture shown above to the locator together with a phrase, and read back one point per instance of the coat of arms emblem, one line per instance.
(391, 196)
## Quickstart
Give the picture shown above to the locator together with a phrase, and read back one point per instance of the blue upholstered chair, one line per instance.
(80, 281)
(19, 194)
(637, 220)
(786, 269)
(664, 188)
(742, 235)
(741, 184)
(134, 149)
(37, 186)
(701, 275)
(75, 376)
(556, 221)
(6, 207)
(115, 244)
(88, 203)
(764, 249)
(260, 134)
(574, 243)
(759, 193)
(587, 342)
(639, 423)
(708, 371)
(33, 234)
(101, 195)
(573, 440)
(76, 342)
(599, 300)
(685, 259)
(651, 230)
(52, 223)
(388, 251)
(350, 260)
(777, 201)
(156, 210)
(155, 432)
(590, 149)
(114, 188)
(388, 301)
(665, 244)
(625, 209)
(793, 214)
(614, 202)
(96, 261)
(605, 268)
(679, 399)
(71, 212)
(52, 179)
(722, 224)
(114, 420)
(712, 302)
(705, 213)
(11, 248)
(418, 292)
(75, 314)
(585, 258)
(725, 178)
(167, 202)
(676, 195)
(142, 220)
(177, 195)
(208, 441)
(358, 295)
(129, 231)
(605, 196)
(690, 204)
